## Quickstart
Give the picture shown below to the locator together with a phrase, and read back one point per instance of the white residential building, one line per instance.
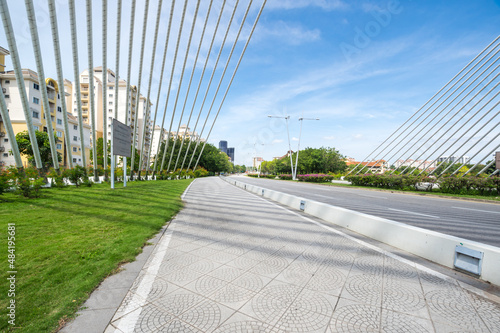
(16, 113)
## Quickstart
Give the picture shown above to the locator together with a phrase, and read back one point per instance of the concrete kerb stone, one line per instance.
(430, 245)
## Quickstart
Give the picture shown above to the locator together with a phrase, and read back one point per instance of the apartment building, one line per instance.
(13, 100)
(136, 106)
(183, 130)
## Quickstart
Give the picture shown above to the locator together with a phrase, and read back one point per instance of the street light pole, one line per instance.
(289, 144)
(298, 146)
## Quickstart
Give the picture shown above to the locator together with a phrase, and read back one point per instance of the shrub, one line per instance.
(57, 178)
(76, 175)
(5, 180)
(285, 177)
(28, 182)
(315, 178)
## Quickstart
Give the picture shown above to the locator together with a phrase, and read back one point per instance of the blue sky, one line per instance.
(362, 67)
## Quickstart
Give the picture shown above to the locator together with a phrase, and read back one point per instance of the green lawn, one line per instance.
(70, 239)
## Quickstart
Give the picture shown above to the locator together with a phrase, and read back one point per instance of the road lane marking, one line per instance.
(370, 196)
(405, 211)
(477, 210)
(325, 196)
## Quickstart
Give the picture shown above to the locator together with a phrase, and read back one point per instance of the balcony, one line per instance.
(2, 134)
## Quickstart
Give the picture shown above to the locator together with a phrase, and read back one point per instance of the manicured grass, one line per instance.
(70, 239)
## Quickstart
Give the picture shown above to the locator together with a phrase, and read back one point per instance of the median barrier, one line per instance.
(434, 246)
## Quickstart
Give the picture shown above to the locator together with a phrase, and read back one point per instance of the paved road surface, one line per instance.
(466, 219)
(233, 262)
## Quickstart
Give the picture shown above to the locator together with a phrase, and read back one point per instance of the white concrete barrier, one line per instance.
(431, 245)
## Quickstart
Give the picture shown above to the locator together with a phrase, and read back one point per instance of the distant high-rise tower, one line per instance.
(230, 153)
(223, 146)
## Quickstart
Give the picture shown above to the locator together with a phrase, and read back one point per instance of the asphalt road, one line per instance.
(471, 220)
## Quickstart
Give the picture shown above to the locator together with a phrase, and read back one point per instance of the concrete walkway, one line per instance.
(233, 262)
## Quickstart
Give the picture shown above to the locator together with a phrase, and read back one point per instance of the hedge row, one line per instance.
(261, 176)
(28, 182)
(456, 185)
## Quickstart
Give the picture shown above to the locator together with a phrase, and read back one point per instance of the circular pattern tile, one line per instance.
(179, 303)
(366, 288)
(270, 304)
(204, 316)
(326, 279)
(232, 294)
(370, 264)
(202, 266)
(338, 259)
(207, 284)
(250, 282)
(246, 327)
(395, 269)
(454, 306)
(489, 311)
(272, 265)
(151, 319)
(366, 318)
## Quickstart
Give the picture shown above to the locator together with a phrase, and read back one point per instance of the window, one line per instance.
(110, 95)
(36, 86)
(6, 140)
(59, 134)
(75, 127)
(59, 121)
(75, 138)
(59, 146)
(59, 109)
(5, 154)
(6, 96)
(52, 118)
(58, 96)
(74, 160)
(79, 160)
(110, 87)
(74, 149)
(36, 114)
(35, 128)
(110, 103)
(6, 81)
(110, 110)
(36, 100)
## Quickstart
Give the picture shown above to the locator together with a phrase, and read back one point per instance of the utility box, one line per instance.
(468, 260)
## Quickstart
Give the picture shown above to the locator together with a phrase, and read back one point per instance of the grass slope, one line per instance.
(69, 240)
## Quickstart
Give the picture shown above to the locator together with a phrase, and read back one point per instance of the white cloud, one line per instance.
(331, 137)
(295, 139)
(291, 33)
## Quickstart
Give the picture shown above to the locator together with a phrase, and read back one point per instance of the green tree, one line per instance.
(214, 160)
(320, 160)
(42, 138)
(100, 153)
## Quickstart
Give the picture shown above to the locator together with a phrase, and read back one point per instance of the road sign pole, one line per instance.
(112, 158)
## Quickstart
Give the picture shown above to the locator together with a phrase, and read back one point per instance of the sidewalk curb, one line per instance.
(434, 246)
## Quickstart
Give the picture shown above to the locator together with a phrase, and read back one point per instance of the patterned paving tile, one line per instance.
(266, 270)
